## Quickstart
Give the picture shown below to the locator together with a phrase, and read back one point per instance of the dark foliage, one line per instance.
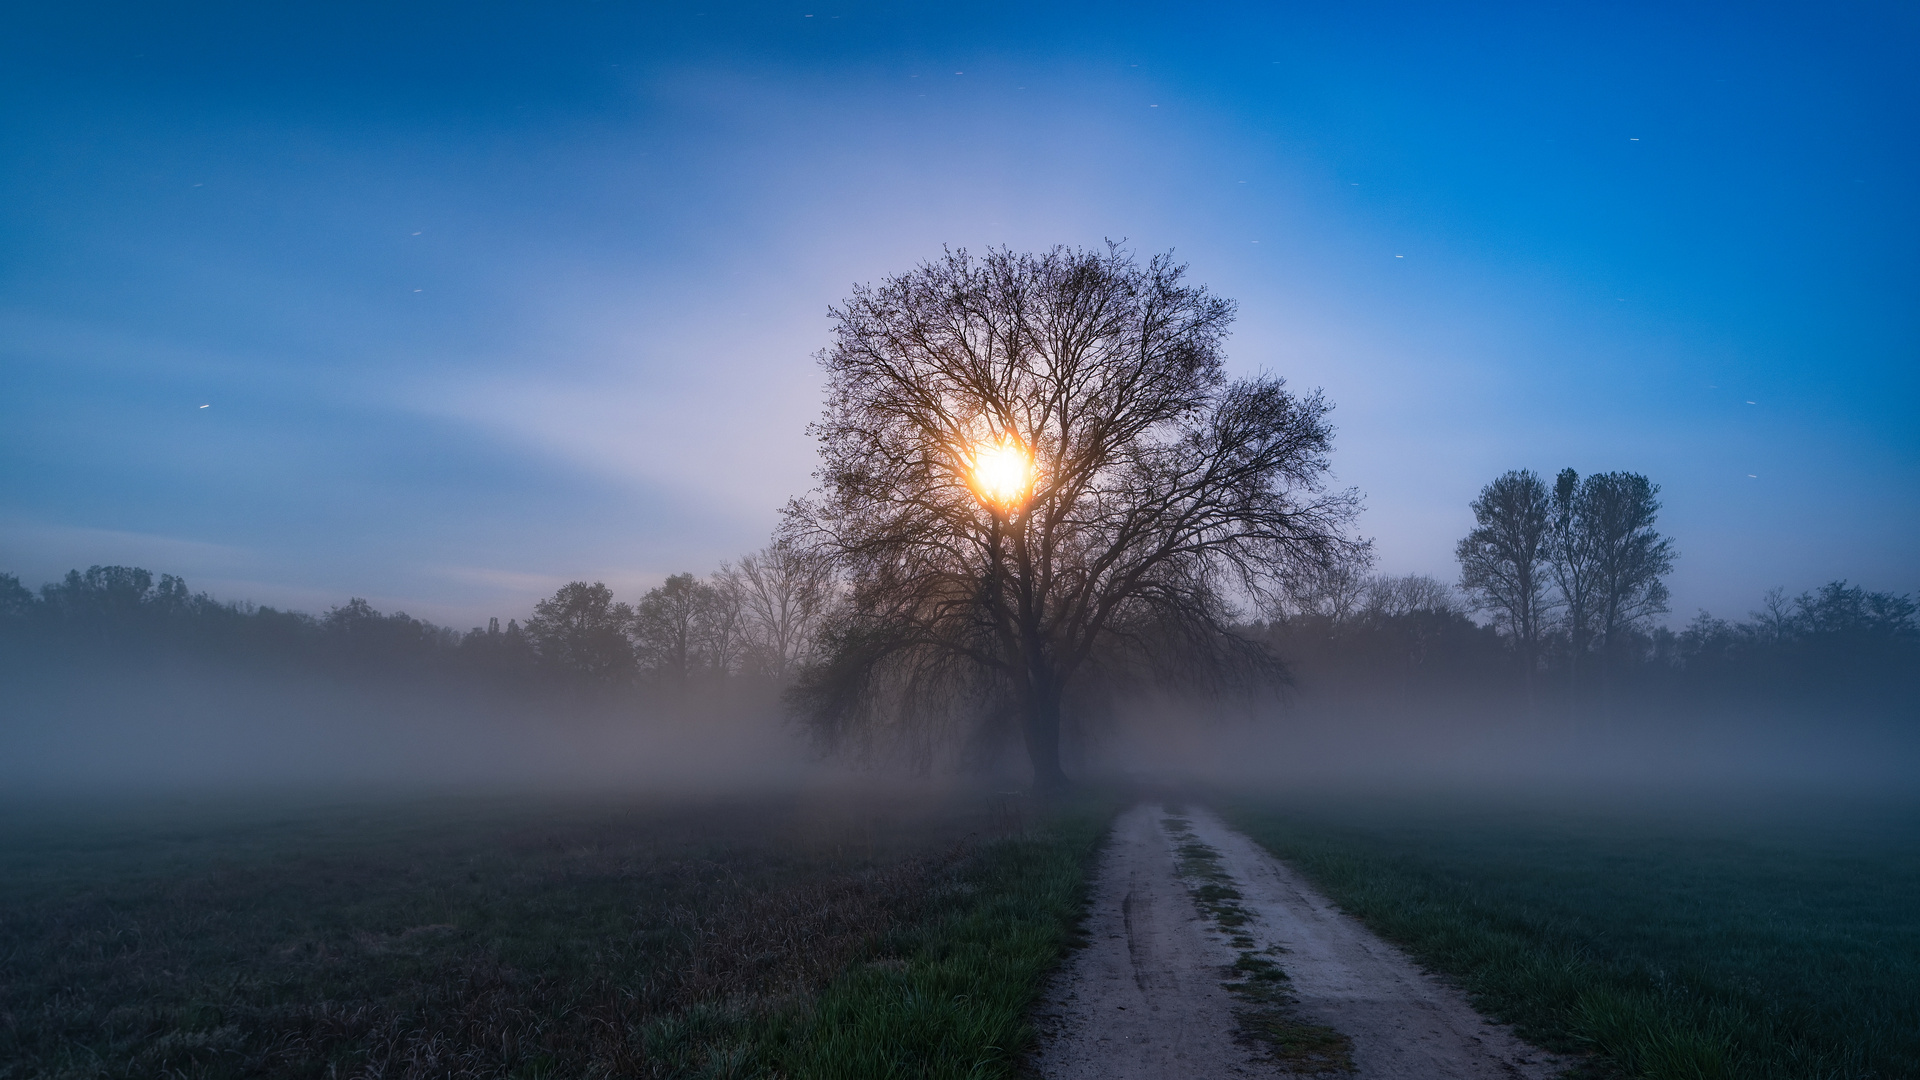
(754, 621)
(1504, 560)
(582, 630)
(1838, 649)
(1837, 654)
(110, 616)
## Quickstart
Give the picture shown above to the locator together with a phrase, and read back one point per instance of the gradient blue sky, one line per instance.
(482, 298)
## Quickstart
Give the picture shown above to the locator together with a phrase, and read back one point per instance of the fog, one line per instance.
(1361, 751)
(106, 700)
(72, 731)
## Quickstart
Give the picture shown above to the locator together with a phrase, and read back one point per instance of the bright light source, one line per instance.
(1003, 474)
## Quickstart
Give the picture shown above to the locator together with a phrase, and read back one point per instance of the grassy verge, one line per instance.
(800, 937)
(948, 995)
(1765, 948)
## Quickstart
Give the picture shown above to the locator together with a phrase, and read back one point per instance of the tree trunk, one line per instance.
(1041, 724)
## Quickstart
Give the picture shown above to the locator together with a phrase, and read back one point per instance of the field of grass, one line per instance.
(799, 937)
(1674, 943)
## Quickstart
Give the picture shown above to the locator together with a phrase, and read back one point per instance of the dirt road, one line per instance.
(1145, 997)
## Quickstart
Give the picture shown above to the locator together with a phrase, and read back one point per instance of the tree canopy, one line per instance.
(1034, 464)
(1503, 561)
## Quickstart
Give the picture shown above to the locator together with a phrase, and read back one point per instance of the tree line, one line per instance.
(757, 618)
(1556, 611)
(1362, 639)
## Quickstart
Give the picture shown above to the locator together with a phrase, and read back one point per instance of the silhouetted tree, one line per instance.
(1607, 559)
(1335, 590)
(505, 653)
(16, 600)
(1504, 560)
(1570, 555)
(1403, 646)
(1034, 461)
(582, 630)
(1390, 596)
(784, 593)
(1629, 558)
(668, 627)
(720, 620)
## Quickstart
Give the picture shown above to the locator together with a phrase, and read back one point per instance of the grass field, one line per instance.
(1671, 942)
(842, 937)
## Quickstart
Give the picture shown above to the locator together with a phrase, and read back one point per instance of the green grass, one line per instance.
(1677, 946)
(797, 937)
(950, 993)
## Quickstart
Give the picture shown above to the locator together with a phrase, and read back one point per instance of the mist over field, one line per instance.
(740, 541)
(184, 729)
(205, 697)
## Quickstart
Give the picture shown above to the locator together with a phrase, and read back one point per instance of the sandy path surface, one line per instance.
(1144, 998)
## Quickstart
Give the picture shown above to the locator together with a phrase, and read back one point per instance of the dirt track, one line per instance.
(1144, 998)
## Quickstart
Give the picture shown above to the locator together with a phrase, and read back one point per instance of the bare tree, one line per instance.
(1032, 462)
(1389, 595)
(783, 592)
(1504, 560)
(720, 624)
(1335, 589)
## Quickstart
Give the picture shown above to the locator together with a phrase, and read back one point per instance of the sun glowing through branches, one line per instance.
(1002, 474)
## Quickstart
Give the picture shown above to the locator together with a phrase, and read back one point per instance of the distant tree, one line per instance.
(1032, 462)
(514, 640)
(669, 627)
(1607, 559)
(1504, 561)
(1774, 621)
(1629, 558)
(504, 653)
(15, 599)
(352, 617)
(102, 594)
(1391, 596)
(1335, 590)
(1570, 555)
(582, 630)
(720, 622)
(784, 594)
(360, 636)
(1838, 652)
(1838, 611)
(114, 605)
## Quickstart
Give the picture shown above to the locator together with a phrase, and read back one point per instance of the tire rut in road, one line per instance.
(1169, 962)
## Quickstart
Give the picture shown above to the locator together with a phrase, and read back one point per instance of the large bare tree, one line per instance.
(1035, 467)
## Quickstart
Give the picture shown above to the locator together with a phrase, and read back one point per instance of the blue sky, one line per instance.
(480, 299)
